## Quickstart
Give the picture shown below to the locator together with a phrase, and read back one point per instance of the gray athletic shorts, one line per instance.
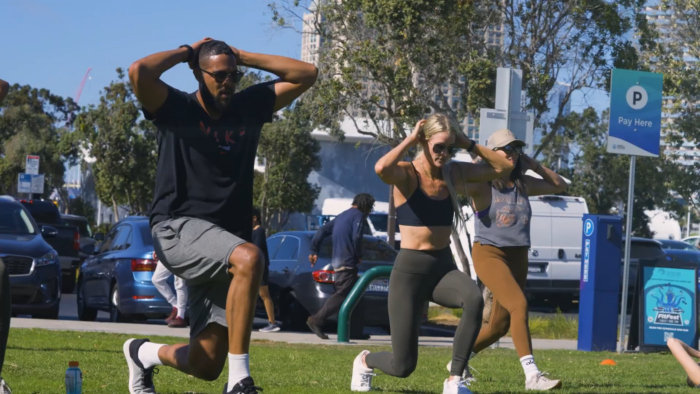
(198, 252)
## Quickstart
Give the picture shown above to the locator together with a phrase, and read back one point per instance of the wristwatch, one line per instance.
(190, 53)
(471, 147)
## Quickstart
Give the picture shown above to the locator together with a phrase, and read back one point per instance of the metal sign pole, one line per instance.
(626, 269)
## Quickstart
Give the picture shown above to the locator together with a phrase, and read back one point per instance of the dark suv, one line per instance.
(33, 265)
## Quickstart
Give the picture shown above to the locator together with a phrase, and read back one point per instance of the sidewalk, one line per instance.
(288, 337)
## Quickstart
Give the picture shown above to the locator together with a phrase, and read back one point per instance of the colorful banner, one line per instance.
(669, 297)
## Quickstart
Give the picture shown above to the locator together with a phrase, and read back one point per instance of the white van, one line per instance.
(555, 254)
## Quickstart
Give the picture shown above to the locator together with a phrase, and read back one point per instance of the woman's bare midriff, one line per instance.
(425, 238)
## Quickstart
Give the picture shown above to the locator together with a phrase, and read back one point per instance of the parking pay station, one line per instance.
(600, 282)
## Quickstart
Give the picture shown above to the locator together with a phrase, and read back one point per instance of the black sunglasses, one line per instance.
(440, 148)
(510, 149)
(221, 76)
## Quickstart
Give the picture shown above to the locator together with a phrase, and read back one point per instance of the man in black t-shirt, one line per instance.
(260, 240)
(202, 205)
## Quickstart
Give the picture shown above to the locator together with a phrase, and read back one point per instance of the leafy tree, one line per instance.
(123, 145)
(602, 178)
(80, 207)
(36, 122)
(290, 153)
(569, 41)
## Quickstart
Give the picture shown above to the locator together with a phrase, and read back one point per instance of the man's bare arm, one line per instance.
(145, 73)
(296, 76)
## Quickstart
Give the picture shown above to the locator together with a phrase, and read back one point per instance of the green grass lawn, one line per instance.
(37, 359)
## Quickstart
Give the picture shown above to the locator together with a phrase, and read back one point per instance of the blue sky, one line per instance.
(56, 42)
(51, 44)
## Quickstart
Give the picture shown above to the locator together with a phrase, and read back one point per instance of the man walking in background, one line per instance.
(5, 297)
(346, 231)
(260, 240)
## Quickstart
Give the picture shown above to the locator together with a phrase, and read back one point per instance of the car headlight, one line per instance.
(48, 258)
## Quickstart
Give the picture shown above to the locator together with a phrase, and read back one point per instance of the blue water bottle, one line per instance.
(74, 378)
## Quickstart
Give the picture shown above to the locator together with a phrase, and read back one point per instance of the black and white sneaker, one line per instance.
(140, 378)
(4, 388)
(245, 386)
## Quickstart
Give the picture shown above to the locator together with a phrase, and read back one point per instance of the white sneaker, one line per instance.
(540, 382)
(466, 375)
(361, 375)
(270, 328)
(4, 388)
(455, 387)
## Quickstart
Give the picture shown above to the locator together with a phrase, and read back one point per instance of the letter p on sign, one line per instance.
(637, 97)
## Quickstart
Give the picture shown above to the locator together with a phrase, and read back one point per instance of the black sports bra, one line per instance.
(422, 211)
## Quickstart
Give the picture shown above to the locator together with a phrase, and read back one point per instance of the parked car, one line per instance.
(300, 290)
(640, 248)
(66, 243)
(33, 265)
(84, 229)
(684, 255)
(692, 240)
(116, 277)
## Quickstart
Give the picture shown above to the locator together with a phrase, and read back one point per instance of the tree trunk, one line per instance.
(128, 200)
(66, 201)
(391, 222)
(285, 216)
(116, 210)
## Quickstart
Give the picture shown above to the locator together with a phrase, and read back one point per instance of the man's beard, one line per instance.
(209, 99)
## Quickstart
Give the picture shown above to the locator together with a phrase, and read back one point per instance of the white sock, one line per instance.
(238, 369)
(181, 313)
(529, 366)
(148, 354)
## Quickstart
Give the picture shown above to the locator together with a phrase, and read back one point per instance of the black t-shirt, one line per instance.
(205, 166)
(260, 241)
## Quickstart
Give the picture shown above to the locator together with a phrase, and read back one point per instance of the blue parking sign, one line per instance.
(635, 113)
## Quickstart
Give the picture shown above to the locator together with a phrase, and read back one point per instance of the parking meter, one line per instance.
(600, 282)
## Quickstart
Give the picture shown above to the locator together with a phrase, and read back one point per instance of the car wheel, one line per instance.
(51, 313)
(68, 282)
(85, 313)
(115, 315)
(292, 314)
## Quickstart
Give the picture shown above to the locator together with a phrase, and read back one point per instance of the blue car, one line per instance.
(33, 265)
(116, 277)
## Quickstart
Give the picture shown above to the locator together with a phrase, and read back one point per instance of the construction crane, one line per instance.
(82, 85)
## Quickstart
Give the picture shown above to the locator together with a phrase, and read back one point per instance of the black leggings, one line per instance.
(418, 277)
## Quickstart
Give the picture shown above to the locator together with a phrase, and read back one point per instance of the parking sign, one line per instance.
(32, 165)
(635, 113)
(24, 183)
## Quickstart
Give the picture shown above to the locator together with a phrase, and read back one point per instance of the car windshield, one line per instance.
(44, 212)
(15, 220)
(83, 226)
(146, 237)
(372, 250)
